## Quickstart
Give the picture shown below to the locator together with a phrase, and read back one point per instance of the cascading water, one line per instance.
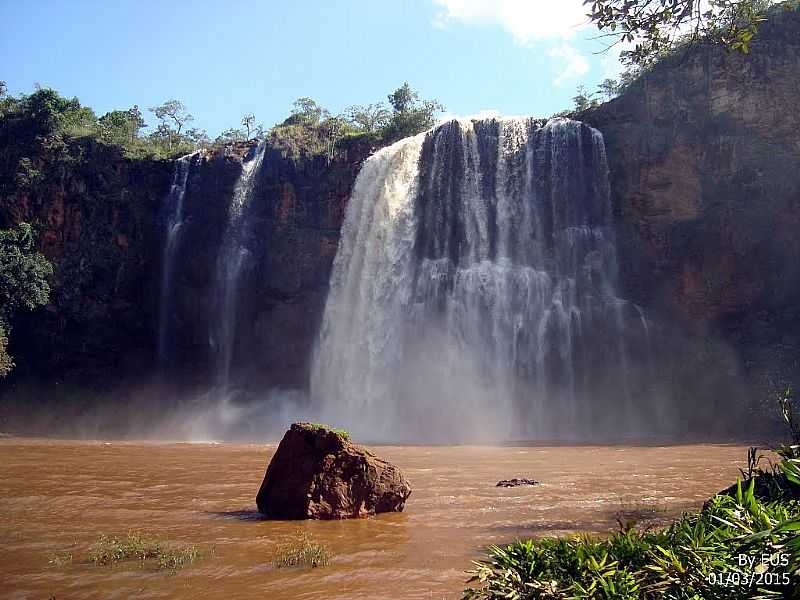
(172, 215)
(473, 292)
(230, 262)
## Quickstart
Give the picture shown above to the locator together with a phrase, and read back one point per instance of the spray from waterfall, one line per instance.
(231, 261)
(172, 215)
(473, 292)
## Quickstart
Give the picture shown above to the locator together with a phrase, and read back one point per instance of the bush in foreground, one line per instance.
(738, 547)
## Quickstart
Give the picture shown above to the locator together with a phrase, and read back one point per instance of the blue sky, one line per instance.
(224, 59)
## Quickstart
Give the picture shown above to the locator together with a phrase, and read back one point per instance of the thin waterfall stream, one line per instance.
(231, 260)
(173, 223)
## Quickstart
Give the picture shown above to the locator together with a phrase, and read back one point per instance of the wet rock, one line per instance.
(317, 473)
(516, 482)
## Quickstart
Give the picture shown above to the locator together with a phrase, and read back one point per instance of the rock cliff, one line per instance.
(704, 157)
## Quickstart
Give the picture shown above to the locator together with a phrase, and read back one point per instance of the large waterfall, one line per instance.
(473, 292)
(172, 216)
(230, 262)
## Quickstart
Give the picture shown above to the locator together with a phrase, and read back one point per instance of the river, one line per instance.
(59, 496)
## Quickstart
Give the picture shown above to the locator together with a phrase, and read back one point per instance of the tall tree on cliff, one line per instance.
(410, 114)
(175, 111)
(653, 28)
(23, 282)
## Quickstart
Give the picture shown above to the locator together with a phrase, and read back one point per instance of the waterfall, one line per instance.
(474, 290)
(172, 216)
(231, 260)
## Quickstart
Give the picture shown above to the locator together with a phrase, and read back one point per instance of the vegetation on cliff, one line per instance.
(23, 282)
(653, 29)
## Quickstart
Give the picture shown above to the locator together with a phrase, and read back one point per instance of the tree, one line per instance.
(410, 114)
(370, 118)
(306, 112)
(584, 100)
(609, 88)
(656, 27)
(23, 282)
(248, 122)
(198, 137)
(3, 89)
(230, 136)
(49, 112)
(175, 111)
(120, 126)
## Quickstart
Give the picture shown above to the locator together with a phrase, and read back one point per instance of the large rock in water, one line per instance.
(317, 473)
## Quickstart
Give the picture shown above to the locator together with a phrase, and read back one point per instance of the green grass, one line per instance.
(302, 552)
(340, 432)
(687, 561)
(110, 550)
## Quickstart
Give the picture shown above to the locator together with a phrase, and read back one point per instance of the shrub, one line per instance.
(110, 550)
(696, 557)
(302, 552)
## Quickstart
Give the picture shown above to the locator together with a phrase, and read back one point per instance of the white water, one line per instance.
(473, 292)
(231, 259)
(173, 222)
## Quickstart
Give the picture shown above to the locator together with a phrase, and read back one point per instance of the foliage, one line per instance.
(691, 559)
(584, 100)
(745, 543)
(410, 114)
(110, 550)
(23, 281)
(342, 433)
(370, 118)
(657, 27)
(302, 551)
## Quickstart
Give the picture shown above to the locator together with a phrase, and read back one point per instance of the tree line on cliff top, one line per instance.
(309, 130)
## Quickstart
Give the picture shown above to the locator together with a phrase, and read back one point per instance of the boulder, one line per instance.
(317, 473)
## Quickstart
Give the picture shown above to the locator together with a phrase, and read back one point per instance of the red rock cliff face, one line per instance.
(704, 155)
(95, 213)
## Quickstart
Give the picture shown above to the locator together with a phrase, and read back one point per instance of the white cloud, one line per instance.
(554, 22)
(528, 21)
(574, 63)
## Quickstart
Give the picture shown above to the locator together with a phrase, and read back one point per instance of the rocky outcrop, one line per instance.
(317, 473)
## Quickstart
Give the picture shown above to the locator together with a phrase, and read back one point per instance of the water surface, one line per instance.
(58, 496)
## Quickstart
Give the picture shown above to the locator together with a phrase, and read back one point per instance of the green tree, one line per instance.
(410, 114)
(172, 114)
(608, 88)
(307, 112)
(370, 118)
(230, 136)
(50, 113)
(584, 100)
(23, 282)
(198, 137)
(119, 126)
(656, 27)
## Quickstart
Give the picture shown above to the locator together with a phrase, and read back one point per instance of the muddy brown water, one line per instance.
(60, 496)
